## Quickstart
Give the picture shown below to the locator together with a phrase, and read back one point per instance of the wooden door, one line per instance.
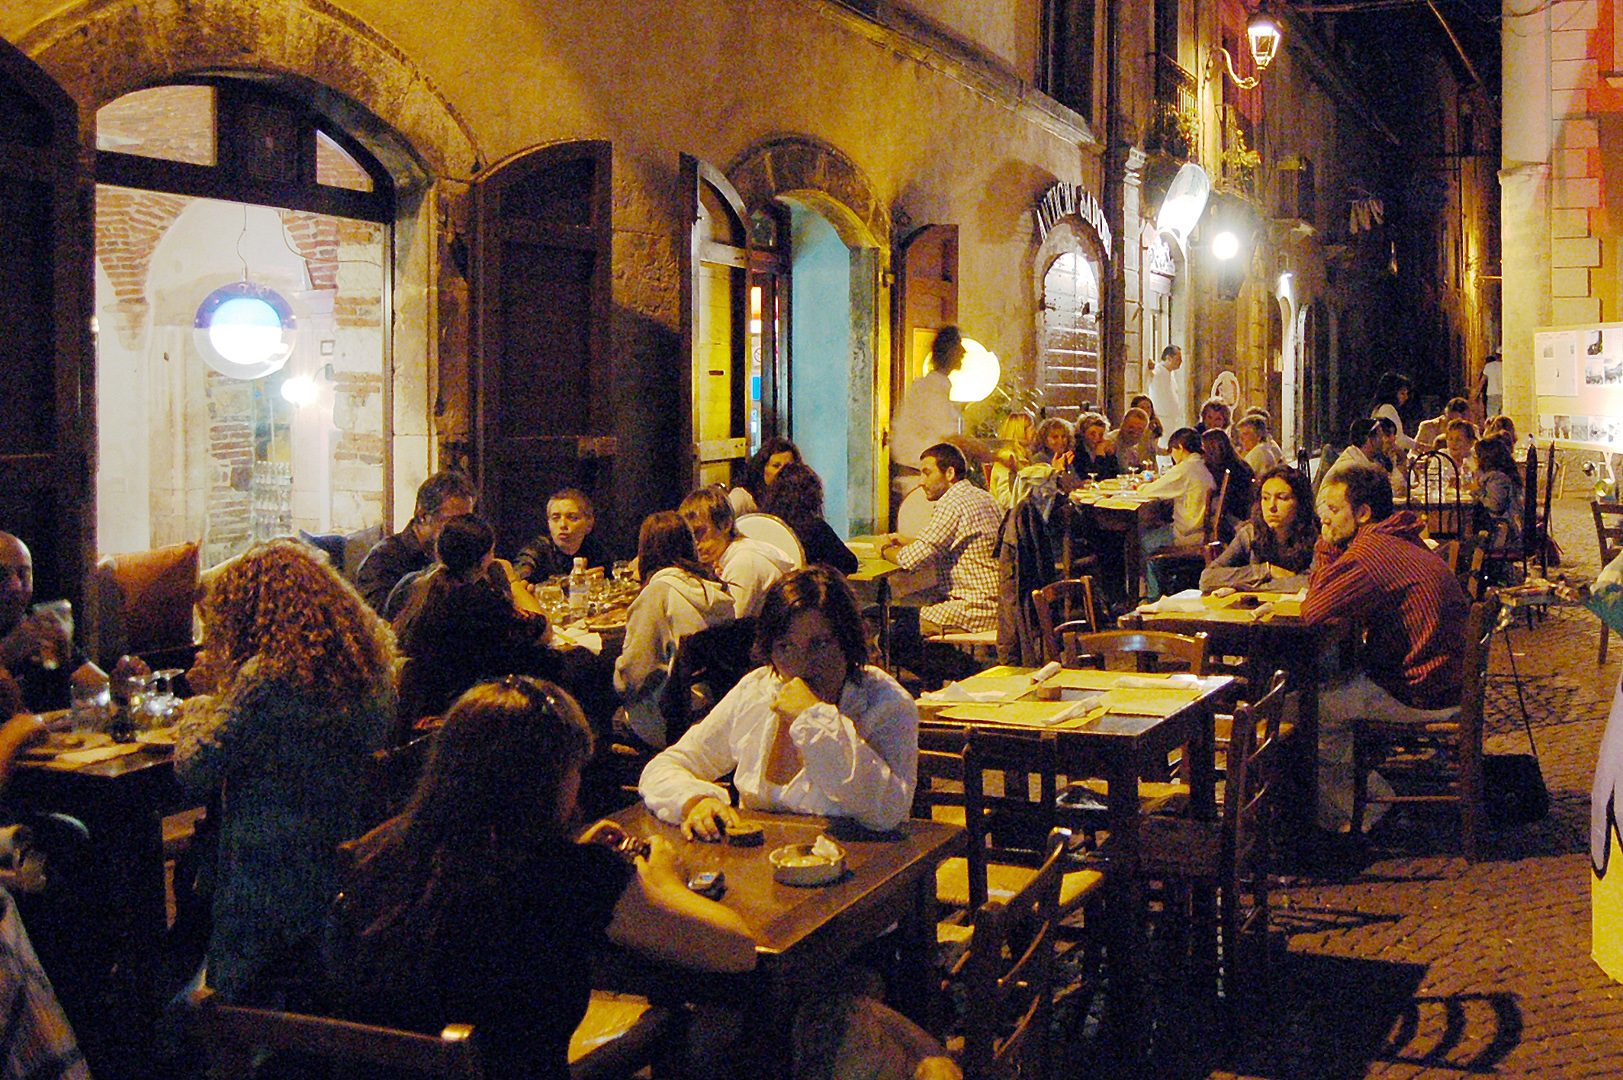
(541, 294)
(715, 314)
(47, 362)
(926, 301)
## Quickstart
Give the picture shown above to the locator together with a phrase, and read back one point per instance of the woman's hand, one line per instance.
(706, 818)
(607, 832)
(793, 698)
(1275, 572)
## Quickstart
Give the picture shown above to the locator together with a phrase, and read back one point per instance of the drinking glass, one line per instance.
(89, 705)
(62, 612)
(160, 704)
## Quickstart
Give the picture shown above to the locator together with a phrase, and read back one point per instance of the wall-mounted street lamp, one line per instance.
(1225, 245)
(977, 376)
(1264, 35)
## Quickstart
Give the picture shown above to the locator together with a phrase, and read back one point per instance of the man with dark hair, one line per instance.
(1186, 485)
(747, 567)
(959, 540)
(443, 496)
(1430, 431)
(1215, 414)
(1372, 570)
(1363, 445)
(927, 413)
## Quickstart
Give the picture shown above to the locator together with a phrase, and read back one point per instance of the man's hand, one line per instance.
(1275, 571)
(37, 635)
(793, 698)
(707, 818)
(606, 832)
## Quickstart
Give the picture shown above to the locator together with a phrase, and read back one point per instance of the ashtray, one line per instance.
(808, 864)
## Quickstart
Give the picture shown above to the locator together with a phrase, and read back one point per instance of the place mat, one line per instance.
(1035, 714)
(1084, 679)
(1123, 502)
(1145, 701)
(77, 759)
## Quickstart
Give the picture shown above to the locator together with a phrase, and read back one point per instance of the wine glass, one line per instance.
(161, 702)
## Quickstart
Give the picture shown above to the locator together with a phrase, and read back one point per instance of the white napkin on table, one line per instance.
(586, 639)
(1188, 600)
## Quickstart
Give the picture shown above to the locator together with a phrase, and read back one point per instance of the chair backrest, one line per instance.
(1059, 602)
(1008, 826)
(1215, 501)
(143, 603)
(235, 1038)
(1531, 540)
(940, 772)
(1552, 478)
(1479, 628)
(1434, 477)
(1327, 458)
(1304, 462)
(1150, 650)
(914, 513)
(707, 664)
(1255, 763)
(1008, 975)
(774, 532)
(1608, 529)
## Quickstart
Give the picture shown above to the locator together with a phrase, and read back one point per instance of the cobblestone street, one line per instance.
(1418, 964)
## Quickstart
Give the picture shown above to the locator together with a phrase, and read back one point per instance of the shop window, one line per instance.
(1071, 377)
(242, 253)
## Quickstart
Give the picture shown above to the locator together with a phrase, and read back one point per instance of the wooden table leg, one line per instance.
(1124, 915)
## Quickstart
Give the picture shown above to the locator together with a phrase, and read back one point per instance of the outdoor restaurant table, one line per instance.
(805, 936)
(1122, 746)
(122, 801)
(871, 583)
(1271, 636)
(1115, 506)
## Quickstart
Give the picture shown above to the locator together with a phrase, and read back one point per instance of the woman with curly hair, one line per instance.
(1273, 551)
(296, 689)
(796, 496)
(1055, 443)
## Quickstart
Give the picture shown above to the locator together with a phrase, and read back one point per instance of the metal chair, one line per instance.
(1432, 473)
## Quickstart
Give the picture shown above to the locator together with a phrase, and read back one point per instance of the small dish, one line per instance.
(798, 864)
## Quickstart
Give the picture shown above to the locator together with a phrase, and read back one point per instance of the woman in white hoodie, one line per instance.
(679, 597)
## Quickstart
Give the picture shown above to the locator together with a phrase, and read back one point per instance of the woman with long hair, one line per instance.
(1497, 493)
(1220, 457)
(475, 906)
(1142, 401)
(1391, 394)
(796, 496)
(296, 689)
(1017, 436)
(1095, 455)
(817, 730)
(763, 467)
(1273, 551)
(680, 596)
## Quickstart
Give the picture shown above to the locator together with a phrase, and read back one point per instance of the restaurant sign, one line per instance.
(1062, 200)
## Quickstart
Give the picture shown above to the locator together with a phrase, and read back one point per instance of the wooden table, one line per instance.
(871, 583)
(804, 936)
(1270, 637)
(1113, 506)
(1122, 748)
(122, 801)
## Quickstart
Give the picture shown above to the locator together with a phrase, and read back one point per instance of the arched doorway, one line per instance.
(216, 195)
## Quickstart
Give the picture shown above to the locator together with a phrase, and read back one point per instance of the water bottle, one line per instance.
(580, 589)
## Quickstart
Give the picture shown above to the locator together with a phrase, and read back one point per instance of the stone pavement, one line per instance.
(1415, 964)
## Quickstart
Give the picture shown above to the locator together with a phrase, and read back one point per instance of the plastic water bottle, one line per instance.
(580, 589)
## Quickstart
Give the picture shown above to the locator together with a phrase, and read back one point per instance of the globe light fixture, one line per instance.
(1185, 201)
(1225, 245)
(977, 376)
(244, 330)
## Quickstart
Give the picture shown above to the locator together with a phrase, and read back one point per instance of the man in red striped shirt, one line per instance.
(1373, 570)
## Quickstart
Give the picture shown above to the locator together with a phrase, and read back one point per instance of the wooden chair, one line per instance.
(618, 1036)
(707, 664)
(141, 603)
(1231, 853)
(1007, 975)
(1327, 459)
(236, 1039)
(1005, 830)
(1149, 650)
(1063, 602)
(1441, 754)
(1609, 535)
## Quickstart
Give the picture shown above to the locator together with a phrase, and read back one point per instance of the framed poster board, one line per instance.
(1578, 385)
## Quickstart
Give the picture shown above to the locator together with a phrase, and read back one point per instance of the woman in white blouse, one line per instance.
(815, 731)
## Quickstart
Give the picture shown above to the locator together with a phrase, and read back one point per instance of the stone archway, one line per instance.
(814, 177)
(103, 49)
(100, 50)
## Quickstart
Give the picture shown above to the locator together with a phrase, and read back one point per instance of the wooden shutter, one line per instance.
(47, 365)
(926, 301)
(541, 295)
(715, 314)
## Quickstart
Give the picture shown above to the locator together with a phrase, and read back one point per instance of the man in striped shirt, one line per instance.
(1373, 571)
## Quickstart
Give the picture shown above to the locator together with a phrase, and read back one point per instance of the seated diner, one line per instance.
(1273, 550)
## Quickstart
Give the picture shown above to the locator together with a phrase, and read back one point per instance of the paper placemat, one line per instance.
(75, 759)
(1145, 701)
(1033, 714)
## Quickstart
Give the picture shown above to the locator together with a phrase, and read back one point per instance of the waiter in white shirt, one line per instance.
(927, 414)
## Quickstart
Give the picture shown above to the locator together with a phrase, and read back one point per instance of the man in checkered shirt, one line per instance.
(959, 540)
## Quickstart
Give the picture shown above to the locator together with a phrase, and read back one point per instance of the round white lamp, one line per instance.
(244, 330)
(977, 376)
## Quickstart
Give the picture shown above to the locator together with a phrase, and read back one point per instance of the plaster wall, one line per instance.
(938, 136)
